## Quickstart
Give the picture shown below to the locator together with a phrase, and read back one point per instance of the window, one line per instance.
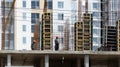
(24, 28)
(95, 41)
(61, 40)
(32, 38)
(96, 32)
(74, 17)
(60, 28)
(24, 15)
(72, 41)
(95, 6)
(96, 24)
(60, 4)
(24, 3)
(34, 18)
(49, 4)
(32, 28)
(96, 14)
(60, 16)
(83, 8)
(24, 40)
(35, 4)
(72, 29)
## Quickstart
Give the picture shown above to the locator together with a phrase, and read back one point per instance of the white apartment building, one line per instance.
(28, 12)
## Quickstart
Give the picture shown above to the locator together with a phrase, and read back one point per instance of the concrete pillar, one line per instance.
(119, 63)
(78, 62)
(86, 61)
(8, 60)
(42, 62)
(1, 62)
(46, 60)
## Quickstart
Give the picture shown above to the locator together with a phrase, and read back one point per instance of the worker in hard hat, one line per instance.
(33, 44)
(56, 43)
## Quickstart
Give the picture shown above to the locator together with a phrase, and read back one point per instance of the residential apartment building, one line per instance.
(28, 13)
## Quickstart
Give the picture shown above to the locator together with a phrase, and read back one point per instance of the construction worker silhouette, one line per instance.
(56, 44)
(33, 44)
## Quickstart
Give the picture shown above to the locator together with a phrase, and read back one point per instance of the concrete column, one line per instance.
(42, 62)
(8, 60)
(119, 63)
(86, 61)
(46, 60)
(78, 62)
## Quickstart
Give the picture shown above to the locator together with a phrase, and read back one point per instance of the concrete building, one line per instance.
(27, 58)
(27, 13)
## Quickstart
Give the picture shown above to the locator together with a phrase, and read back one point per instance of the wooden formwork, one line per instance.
(79, 36)
(118, 35)
(87, 18)
(83, 33)
(111, 38)
(47, 31)
(47, 35)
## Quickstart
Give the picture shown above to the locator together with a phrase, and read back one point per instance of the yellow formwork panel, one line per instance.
(118, 34)
(84, 30)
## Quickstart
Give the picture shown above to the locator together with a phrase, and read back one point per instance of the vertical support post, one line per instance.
(42, 62)
(118, 62)
(78, 62)
(86, 61)
(46, 60)
(8, 60)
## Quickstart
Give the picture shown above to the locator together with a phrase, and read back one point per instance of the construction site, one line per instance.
(82, 53)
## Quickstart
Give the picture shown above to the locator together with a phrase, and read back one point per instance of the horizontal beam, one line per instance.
(59, 52)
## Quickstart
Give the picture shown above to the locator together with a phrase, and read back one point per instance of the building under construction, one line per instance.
(15, 53)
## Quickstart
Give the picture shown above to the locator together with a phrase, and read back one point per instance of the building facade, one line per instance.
(28, 13)
(65, 11)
